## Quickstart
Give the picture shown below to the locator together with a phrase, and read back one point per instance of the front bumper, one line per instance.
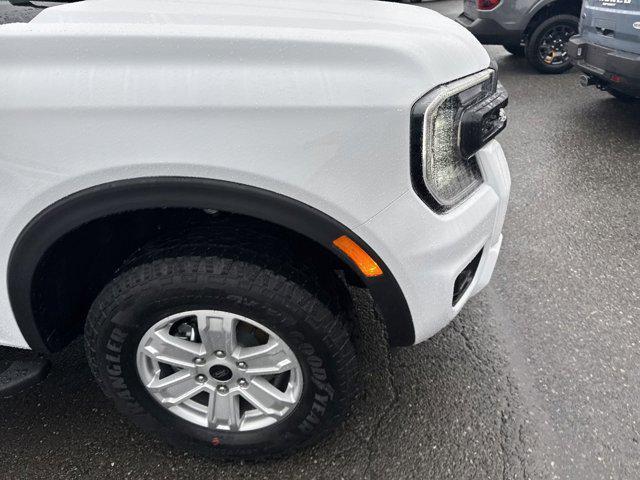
(426, 251)
(489, 31)
(618, 69)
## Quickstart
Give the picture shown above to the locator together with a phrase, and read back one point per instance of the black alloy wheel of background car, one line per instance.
(546, 48)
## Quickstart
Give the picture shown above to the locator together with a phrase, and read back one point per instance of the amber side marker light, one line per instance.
(365, 263)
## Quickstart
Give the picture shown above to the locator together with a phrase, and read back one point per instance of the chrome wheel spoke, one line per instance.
(223, 411)
(267, 398)
(165, 348)
(218, 332)
(268, 359)
(175, 388)
(175, 379)
(183, 396)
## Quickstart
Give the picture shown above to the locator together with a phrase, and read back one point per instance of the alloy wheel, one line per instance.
(552, 48)
(219, 370)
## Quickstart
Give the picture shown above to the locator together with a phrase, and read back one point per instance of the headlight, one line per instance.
(449, 125)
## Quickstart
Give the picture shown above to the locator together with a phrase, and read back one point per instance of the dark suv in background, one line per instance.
(537, 29)
(608, 47)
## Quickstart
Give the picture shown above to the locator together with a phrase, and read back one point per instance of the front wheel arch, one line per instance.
(107, 200)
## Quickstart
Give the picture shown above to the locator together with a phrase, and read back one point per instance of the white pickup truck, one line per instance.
(198, 185)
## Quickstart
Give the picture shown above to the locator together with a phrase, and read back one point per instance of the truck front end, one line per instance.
(442, 238)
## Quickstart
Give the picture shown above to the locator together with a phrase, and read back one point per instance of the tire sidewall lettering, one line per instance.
(303, 329)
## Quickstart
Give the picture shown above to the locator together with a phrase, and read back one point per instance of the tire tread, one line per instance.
(197, 257)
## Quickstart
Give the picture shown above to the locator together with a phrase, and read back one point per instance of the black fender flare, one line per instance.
(102, 200)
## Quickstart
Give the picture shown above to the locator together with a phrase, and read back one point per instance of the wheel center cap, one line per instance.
(221, 373)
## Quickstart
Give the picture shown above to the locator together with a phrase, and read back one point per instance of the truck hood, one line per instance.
(362, 52)
(344, 15)
(444, 48)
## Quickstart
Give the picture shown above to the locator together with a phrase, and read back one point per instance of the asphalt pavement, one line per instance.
(539, 377)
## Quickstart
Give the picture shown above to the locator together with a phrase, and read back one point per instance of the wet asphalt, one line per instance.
(539, 377)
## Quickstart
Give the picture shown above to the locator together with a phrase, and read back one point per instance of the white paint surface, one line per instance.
(309, 100)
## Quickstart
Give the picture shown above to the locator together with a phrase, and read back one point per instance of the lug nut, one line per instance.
(243, 383)
(219, 354)
(199, 361)
(222, 389)
(201, 378)
(242, 365)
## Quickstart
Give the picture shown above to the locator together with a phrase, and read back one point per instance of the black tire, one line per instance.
(517, 50)
(290, 301)
(537, 37)
(623, 97)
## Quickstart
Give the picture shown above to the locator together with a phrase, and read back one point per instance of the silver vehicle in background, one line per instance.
(537, 29)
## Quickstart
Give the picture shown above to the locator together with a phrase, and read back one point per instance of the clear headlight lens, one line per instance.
(448, 175)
